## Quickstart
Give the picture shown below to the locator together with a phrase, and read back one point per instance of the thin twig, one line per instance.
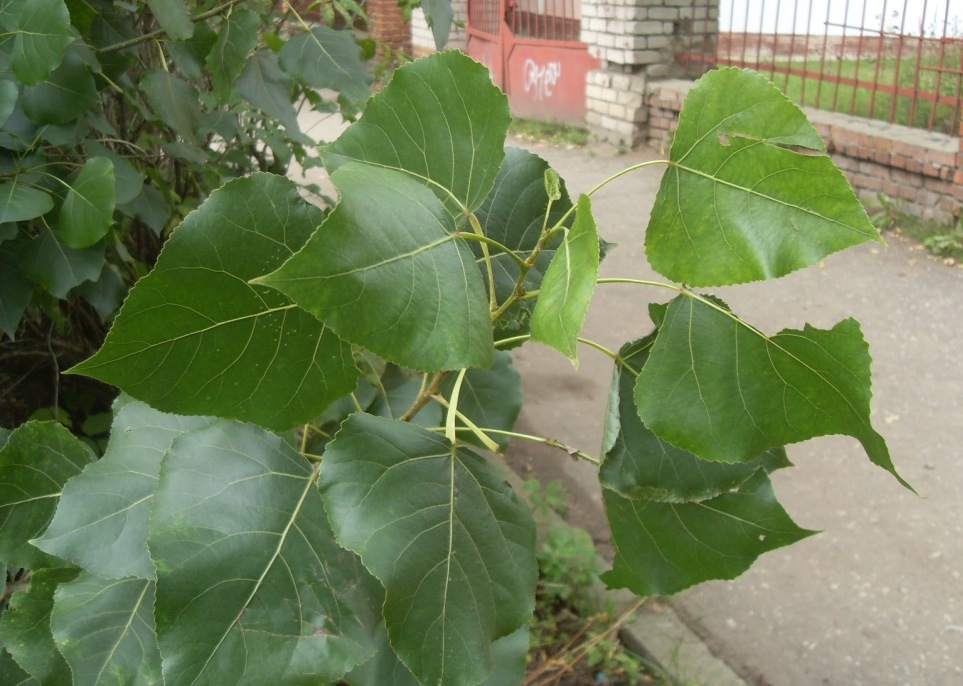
(160, 32)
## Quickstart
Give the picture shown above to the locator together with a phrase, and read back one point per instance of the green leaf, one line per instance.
(439, 119)
(383, 668)
(445, 535)
(173, 17)
(36, 35)
(105, 294)
(638, 464)
(9, 94)
(663, 548)
(67, 94)
(175, 102)
(514, 214)
(101, 521)
(35, 463)
(190, 55)
(15, 289)
(327, 58)
(20, 202)
(51, 263)
(491, 398)
(235, 39)
(721, 389)
(11, 674)
(440, 16)
(749, 192)
(194, 337)
(264, 85)
(88, 209)
(129, 180)
(568, 285)
(234, 498)
(25, 628)
(511, 655)
(105, 630)
(387, 271)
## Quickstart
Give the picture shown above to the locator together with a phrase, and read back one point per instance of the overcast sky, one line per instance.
(838, 13)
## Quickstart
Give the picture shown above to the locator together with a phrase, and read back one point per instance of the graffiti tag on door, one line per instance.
(541, 79)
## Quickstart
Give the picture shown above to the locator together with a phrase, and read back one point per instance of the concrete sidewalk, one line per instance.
(877, 599)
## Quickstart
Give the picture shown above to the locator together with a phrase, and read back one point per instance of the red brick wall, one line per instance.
(385, 23)
(920, 169)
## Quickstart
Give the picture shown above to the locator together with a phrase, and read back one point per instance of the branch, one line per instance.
(220, 9)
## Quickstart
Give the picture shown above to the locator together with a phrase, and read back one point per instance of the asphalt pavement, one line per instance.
(877, 598)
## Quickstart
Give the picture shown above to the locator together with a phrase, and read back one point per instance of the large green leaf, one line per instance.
(88, 209)
(174, 101)
(35, 463)
(36, 34)
(638, 464)
(20, 202)
(568, 285)
(445, 535)
(663, 548)
(721, 389)
(68, 93)
(51, 263)
(236, 37)
(250, 583)
(441, 120)
(388, 271)
(105, 630)
(327, 58)
(515, 213)
(264, 85)
(749, 193)
(194, 337)
(101, 521)
(173, 17)
(25, 628)
(490, 398)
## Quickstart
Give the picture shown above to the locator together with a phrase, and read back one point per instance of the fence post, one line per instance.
(637, 41)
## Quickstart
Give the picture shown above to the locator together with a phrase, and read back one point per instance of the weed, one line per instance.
(552, 132)
(941, 239)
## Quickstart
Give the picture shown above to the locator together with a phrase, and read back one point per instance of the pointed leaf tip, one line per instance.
(819, 381)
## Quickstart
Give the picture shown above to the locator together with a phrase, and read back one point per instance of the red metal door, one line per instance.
(486, 24)
(533, 51)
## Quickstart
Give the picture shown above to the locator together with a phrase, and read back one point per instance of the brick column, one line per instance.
(386, 24)
(637, 40)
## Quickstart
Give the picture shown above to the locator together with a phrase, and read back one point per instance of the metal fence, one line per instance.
(899, 61)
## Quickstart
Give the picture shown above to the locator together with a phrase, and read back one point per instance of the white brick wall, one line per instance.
(634, 39)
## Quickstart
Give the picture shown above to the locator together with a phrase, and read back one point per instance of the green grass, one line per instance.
(552, 132)
(861, 101)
